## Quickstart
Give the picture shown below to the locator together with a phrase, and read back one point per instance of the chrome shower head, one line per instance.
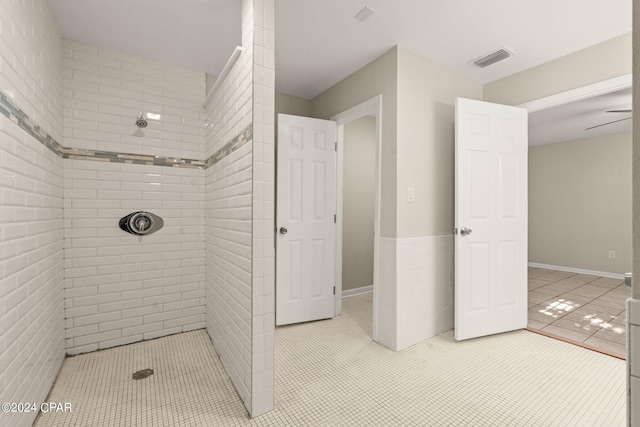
(141, 121)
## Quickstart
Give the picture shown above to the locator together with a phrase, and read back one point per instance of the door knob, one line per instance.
(283, 230)
(465, 231)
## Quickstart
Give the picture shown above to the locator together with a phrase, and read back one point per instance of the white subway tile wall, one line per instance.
(228, 264)
(121, 288)
(263, 251)
(31, 223)
(228, 219)
(105, 90)
(31, 218)
(230, 110)
(425, 288)
(416, 289)
(31, 269)
(30, 62)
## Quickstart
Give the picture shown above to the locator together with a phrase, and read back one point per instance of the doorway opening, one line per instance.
(310, 214)
(358, 203)
(576, 290)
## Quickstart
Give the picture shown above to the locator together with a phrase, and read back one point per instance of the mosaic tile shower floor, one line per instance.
(330, 373)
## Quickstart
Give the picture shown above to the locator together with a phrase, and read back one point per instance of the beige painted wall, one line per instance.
(580, 203)
(289, 104)
(358, 202)
(612, 58)
(426, 139)
(594, 64)
(378, 77)
(417, 133)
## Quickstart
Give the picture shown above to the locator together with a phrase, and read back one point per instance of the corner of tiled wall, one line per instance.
(415, 289)
(238, 201)
(263, 253)
(239, 213)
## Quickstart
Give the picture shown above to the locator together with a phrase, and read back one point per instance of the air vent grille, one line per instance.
(492, 58)
(364, 14)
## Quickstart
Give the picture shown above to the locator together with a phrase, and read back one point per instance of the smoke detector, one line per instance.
(492, 57)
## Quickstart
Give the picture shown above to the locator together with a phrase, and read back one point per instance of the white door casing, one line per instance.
(371, 107)
(305, 219)
(491, 201)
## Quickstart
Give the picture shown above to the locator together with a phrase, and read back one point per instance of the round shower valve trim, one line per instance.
(141, 223)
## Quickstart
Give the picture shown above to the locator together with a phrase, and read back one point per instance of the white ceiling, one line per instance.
(569, 122)
(195, 34)
(318, 42)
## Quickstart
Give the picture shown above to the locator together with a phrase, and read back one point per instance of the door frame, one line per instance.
(584, 92)
(371, 107)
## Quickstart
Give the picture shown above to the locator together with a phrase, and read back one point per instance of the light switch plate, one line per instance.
(411, 194)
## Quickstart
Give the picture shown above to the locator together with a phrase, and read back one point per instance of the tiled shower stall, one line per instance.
(72, 163)
(121, 288)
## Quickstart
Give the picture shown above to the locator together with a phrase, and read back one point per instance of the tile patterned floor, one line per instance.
(330, 373)
(583, 308)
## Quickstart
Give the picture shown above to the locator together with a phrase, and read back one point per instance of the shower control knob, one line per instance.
(141, 223)
(283, 230)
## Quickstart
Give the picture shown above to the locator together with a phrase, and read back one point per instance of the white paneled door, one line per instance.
(305, 219)
(490, 219)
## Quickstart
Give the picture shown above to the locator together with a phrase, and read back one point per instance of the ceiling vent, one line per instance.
(364, 14)
(492, 58)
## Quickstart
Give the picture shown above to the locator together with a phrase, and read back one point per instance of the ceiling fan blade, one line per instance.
(619, 111)
(608, 123)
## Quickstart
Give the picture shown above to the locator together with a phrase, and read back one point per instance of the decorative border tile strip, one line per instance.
(19, 117)
(16, 115)
(241, 139)
(136, 159)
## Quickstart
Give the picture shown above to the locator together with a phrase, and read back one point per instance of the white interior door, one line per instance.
(491, 219)
(305, 219)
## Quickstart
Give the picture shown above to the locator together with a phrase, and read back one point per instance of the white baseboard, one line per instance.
(357, 291)
(577, 270)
